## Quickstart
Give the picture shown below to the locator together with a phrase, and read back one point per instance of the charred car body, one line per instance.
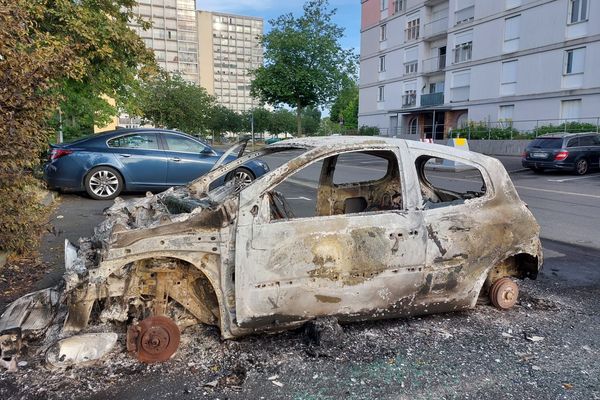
(389, 247)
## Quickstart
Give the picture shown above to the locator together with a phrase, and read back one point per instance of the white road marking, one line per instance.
(299, 198)
(299, 182)
(593, 196)
(572, 179)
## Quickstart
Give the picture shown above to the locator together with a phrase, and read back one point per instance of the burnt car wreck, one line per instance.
(238, 258)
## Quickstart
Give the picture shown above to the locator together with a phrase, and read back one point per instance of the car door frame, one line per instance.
(456, 263)
(173, 158)
(265, 294)
(122, 157)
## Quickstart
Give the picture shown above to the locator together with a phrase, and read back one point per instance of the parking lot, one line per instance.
(544, 348)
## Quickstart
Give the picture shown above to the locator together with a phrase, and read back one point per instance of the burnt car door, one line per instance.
(464, 231)
(357, 261)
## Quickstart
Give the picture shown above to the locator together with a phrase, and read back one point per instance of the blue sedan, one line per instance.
(140, 159)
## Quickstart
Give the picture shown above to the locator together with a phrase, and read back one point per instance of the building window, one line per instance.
(383, 4)
(382, 64)
(463, 47)
(578, 10)
(508, 85)
(465, 11)
(461, 85)
(398, 6)
(511, 33)
(412, 29)
(570, 110)
(413, 127)
(411, 60)
(506, 113)
(383, 32)
(574, 61)
(381, 93)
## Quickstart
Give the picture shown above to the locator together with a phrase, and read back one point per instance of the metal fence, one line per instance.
(497, 130)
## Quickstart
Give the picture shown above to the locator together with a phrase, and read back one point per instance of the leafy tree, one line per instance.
(32, 62)
(311, 120)
(111, 57)
(350, 113)
(328, 127)
(347, 94)
(282, 121)
(222, 120)
(304, 62)
(262, 120)
(171, 102)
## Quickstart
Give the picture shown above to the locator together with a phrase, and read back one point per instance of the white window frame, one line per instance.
(583, 7)
(508, 87)
(413, 27)
(383, 5)
(398, 6)
(570, 102)
(383, 33)
(502, 112)
(506, 24)
(566, 62)
(381, 63)
(380, 93)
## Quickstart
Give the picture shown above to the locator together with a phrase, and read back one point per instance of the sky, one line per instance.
(347, 16)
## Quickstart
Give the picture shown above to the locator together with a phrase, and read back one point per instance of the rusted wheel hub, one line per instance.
(154, 339)
(504, 293)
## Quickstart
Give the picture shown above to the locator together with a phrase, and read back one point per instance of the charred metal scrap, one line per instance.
(236, 258)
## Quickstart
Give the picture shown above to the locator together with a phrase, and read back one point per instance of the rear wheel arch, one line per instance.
(96, 168)
(582, 171)
(520, 266)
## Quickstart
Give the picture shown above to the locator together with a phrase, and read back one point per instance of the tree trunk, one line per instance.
(299, 120)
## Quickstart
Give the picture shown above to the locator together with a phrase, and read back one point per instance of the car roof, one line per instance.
(560, 135)
(104, 136)
(367, 142)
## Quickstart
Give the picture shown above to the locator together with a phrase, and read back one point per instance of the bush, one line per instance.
(30, 62)
(481, 130)
(368, 131)
(570, 127)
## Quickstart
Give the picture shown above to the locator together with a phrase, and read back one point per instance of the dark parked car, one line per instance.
(577, 152)
(136, 160)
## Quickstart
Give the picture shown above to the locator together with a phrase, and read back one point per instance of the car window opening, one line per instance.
(445, 182)
(348, 183)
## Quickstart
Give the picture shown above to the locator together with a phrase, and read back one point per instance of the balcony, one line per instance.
(434, 64)
(432, 99)
(464, 16)
(435, 28)
(409, 100)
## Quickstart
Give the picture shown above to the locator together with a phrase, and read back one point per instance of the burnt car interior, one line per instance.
(341, 191)
(446, 187)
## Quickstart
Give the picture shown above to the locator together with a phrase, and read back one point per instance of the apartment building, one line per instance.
(173, 35)
(228, 49)
(430, 66)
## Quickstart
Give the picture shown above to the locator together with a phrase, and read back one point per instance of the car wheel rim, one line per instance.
(104, 183)
(242, 179)
(582, 167)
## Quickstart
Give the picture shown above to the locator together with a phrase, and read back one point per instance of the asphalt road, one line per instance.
(455, 363)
